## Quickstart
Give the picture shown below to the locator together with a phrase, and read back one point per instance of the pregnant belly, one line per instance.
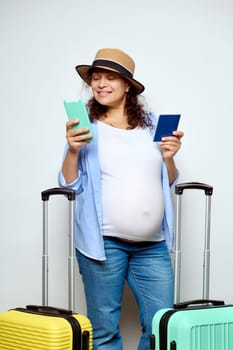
(134, 210)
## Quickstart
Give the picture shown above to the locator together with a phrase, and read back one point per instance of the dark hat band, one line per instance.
(119, 68)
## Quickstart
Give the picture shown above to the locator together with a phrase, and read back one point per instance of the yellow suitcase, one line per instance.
(45, 327)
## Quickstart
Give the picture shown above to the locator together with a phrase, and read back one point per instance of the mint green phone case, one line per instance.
(77, 110)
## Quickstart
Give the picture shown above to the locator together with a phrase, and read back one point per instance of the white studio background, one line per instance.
(184, 54)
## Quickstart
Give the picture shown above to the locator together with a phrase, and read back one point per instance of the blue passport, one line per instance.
(167, 123)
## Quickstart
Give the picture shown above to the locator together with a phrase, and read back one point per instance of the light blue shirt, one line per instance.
(88, 218)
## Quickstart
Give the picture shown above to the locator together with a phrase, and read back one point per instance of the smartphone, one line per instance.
(77, 110)
(167, 123)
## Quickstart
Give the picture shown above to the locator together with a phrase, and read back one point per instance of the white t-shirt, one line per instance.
(132, 196)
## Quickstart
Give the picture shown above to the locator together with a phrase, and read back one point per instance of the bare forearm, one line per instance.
(171, 169)
(70, 166)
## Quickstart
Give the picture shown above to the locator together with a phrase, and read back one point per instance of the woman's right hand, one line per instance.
(76, 138)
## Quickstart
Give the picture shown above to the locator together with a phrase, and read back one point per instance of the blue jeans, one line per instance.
(148, 270)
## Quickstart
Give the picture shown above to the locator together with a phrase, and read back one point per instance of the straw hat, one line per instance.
(114, 60)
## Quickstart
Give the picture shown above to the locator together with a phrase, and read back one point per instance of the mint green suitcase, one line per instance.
(198, 324)
(208, 326)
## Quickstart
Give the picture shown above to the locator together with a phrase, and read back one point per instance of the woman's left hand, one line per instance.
(171, 144)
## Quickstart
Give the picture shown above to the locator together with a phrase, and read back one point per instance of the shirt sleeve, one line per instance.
(74, 185)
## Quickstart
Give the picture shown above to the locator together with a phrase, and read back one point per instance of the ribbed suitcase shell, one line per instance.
(31, 331)
(195, 329)
(44, 327)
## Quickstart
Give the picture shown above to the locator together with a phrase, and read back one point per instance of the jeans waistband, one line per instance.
(136, 243)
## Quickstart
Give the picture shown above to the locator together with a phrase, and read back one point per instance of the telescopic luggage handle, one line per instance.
(179, 189)
(70, 195)
(198, 303)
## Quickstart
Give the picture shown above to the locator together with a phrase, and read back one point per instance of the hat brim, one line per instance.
(84, 72)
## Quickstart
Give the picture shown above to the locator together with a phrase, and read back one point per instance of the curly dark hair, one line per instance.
(137, 117)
